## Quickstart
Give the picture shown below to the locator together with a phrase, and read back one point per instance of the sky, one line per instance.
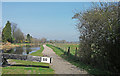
(59, 0)
(51, 20)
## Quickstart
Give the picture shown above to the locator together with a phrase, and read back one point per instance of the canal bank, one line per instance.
(8, 46)
(21, 66)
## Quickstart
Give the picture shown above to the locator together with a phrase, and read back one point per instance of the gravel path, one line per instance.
(60, 65)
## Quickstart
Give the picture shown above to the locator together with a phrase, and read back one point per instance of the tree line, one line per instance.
(99, 29)
(11, 33)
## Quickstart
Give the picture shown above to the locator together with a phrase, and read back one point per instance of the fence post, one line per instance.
(76, 52)
(68, 51)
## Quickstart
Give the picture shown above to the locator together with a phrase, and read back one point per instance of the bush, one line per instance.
(100, 36)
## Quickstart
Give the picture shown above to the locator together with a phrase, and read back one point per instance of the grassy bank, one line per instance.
(28, 67)
(75, 61)
(39, 52)
(9, 45)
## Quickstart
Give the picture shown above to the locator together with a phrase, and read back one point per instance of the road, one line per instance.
(59, 65)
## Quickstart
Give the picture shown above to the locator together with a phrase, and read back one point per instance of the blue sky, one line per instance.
(52, 20)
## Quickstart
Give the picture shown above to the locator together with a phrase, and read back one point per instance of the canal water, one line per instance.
(24, 50)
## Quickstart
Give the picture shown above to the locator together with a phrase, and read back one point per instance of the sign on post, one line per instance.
(46, 59)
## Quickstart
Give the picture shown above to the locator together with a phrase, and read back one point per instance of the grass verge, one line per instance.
(39, 52)
(75, 61)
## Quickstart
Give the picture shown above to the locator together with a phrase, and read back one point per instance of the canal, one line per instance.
(24, 50)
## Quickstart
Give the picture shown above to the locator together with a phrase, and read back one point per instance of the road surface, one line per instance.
(59, 65)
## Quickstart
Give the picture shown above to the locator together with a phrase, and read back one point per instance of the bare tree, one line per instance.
(18, 35)
(13, 27)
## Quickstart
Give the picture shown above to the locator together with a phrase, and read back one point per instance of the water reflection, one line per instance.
(25, 50)
(18, 50)
(28, 49)
(8, 50)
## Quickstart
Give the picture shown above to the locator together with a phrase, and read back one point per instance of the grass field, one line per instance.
(58, 49)
(64, 46)
(34, 68)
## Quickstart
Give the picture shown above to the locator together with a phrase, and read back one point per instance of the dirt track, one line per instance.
(60, 65)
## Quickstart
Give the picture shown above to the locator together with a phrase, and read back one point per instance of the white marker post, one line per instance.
(46, 59)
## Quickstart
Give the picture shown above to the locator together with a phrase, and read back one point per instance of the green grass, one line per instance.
(58, 51)
(27, 70)
(64, 46)
(45, 69)
(39, 52)
(75, 61)
(21, 43)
